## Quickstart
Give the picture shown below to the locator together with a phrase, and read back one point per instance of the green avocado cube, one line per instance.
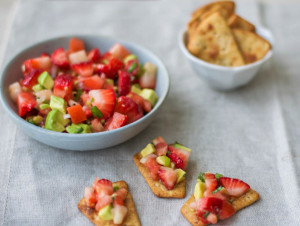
(180, 175)
(181, 147)
(150, 95)
(105, 213)
(79, 128)
(46, 80)
(135, 88)
(163, 160)
(149, 149)
(37, 87)
(109, 81)
(58, 103)
(55, 121)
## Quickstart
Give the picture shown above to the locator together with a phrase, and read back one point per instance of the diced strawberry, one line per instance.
(122, 192)
(179, 157)
(226, 211)
(148, 78)
(234, 187)
(211, 182)
(31, 78)
(206, 206)
(127, 106)
(124, 83)
(90, 197)
(75, 45)
(84, 69)
(105, 57)
(108, 86)
(115, 65)
(97, 125)
(116, 121)
(25, 102)
(118, 200)
(90, 83)
(103, 201)
(147, 106)
(119, 51)
(212, 218)
(42, 63)
(59, 58)
(168, 177)
(85, 98)
(87, 111)
(104, 100)
(103, 186)
(132, 67)
(63, 86)
(103, 69)
(78, 57)
(150, 162)
(94, 55)
(160, 145)
(119, 214)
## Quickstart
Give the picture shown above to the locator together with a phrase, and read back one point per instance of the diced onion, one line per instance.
(66, 116)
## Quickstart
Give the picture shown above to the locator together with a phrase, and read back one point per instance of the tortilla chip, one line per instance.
(157, 187)
(131, 219)
(245, 200)
(225, 7)
(252, 46)
(235, 21)
(213, 42)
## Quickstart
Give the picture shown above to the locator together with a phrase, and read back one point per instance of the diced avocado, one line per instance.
(58, 103)
(109, 81)
(79, 128)
(181, 147)
(172, 165)
(37, 119)
(46, 80)
(149, 149)
(135, 88)
(199, 190)
(44, 106)
(130, 57)
(180, 175)
(37, 87)
(105, 213)
(150, 95)
(55, 121)
(163, 160)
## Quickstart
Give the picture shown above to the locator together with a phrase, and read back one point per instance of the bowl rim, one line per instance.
(25, 124)
(270, 39)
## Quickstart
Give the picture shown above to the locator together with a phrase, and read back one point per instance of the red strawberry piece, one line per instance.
(168, 177)
(136, 98)
(31, 78)
(124, 83)
(103, 69)
(104, 100)
(150, 162)
(90, 197)
(132, 67)
(208, 205)
(160, 145)
(25, 102)
(103, 201)
(87, 112)
(212, 218)
(127, 106)
(85, 98)
(75, 45)
(90, 83)
(122, 192)
(59, 58)
(211, 182)
(63, 86)
(103, 186)
(105, 57)
(115, 65)
(119, 51)
(218, 194)
(118, 200)
(84, 69)
(116, 121)
(94, 55)
(226, 211)
(234, 187)
(179, 157)
(97, 125)
(147, 106)
(42, 63)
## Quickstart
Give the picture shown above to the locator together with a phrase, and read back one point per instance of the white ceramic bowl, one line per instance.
(226, 78)
(90, 141)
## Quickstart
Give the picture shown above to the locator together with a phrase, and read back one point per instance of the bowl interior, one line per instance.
(12, 71)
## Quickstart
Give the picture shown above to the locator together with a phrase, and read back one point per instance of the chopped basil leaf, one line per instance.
(201, 177)
(231, 201)
(132, 67)
(92, 100)
(168, 152)
(206, 215)
(96, 112)
(116, 188)
(218, 189)
(78, 94)
(218, 176)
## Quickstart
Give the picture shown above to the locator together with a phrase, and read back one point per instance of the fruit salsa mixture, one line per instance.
(214, 195)
(80, 91)
(166, 163)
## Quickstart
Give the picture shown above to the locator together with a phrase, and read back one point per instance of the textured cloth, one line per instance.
(251, 133)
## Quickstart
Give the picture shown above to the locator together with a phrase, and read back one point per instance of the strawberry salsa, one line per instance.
(214, 195)
(107, 199)
(80, 91)
(166, 163)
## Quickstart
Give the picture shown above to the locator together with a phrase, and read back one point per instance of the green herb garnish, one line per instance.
(96, 112)
(132, 67)
(201, 177)
(218, 176)
(78, 94)
(116, 188)
(218, 189)
(206, 215)
(168, 152)
(92, 100)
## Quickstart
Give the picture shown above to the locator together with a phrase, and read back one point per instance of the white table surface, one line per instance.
(251, 133)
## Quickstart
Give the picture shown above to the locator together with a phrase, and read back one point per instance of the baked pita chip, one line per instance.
(214, 42)
(157, 187)
(226, 8)
(252, 46)
(245, 200)
(131, 219)
(235, 21)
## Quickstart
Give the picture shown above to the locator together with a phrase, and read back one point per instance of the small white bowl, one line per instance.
(226, 78)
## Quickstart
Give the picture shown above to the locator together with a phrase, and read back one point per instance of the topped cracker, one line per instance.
(213, 42)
